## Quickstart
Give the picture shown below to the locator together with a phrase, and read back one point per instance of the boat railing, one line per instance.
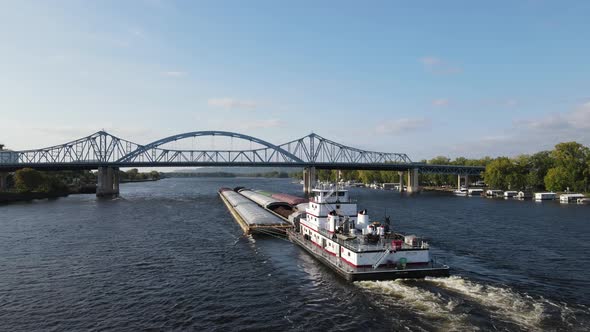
(358, 247)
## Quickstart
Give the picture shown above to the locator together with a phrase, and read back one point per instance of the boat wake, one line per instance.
(432, 306)
(456, 303)
(506, 304)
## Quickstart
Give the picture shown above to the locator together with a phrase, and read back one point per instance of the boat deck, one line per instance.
(352, 273)
(358, 245)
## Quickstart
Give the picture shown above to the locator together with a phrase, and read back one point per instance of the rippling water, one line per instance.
(168, 255)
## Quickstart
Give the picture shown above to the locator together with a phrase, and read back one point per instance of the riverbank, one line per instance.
(11, 197)
(440, 189)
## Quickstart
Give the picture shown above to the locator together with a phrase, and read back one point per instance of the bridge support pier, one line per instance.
(459, 179)
(413, 181)
(401, 181)
(107, 182)
(3, 181)
(309, 178)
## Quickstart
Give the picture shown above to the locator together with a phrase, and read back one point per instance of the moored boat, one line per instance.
(510, 193)
(545, 196)
(475, 192)
(461, 192)
(567, 198)
(494, 193)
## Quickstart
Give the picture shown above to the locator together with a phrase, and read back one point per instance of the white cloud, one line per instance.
(569, 121)
(436, 65)
(174, 73)
(440, 102)
(404, 125)
(231, 103)
(535, 134)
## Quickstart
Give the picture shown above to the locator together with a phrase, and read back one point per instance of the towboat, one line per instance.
(348, 242)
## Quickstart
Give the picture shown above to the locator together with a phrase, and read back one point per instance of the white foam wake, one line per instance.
(429, 304)
(521, 309)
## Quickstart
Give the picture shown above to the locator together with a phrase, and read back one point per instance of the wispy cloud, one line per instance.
(535, 134)
(403, 125)
(441, 102)
(230, 103)
(577, 119)
(437, 65)
(175, 73)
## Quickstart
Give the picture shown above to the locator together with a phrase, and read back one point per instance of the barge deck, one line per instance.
(255, 228)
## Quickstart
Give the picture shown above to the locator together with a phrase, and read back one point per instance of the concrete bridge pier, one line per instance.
(3, 181)
(460, 178)
(401, 181)
(107, 182)
(309, 178)
(413, 181)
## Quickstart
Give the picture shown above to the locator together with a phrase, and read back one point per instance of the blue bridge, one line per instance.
(107, 153)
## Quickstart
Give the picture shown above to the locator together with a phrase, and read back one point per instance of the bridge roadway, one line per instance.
(108, 153)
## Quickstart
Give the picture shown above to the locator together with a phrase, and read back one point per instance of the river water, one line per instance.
(167, 255)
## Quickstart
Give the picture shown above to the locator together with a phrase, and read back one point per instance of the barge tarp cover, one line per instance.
(262, 200)
(293, 200)
(255, 215)
(250, 212)
(234, 198)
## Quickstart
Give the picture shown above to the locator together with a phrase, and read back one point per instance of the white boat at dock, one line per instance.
(524, 195)
(461, 192)
(494, 193)
(475, 191)
(545, 196)
(568, 198)
(510, 193)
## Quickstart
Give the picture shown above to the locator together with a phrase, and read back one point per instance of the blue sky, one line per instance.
(428, 78)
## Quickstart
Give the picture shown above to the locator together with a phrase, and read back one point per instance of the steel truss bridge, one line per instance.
(102, 149)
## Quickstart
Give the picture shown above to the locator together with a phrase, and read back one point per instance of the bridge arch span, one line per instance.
(156, 144)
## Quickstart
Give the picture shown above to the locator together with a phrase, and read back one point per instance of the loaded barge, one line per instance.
(330, 228)
(251, 218)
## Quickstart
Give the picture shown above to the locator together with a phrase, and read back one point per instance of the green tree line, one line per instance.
(28, 180)
(565, 167)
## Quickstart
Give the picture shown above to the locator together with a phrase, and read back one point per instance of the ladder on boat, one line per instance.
(381, 258)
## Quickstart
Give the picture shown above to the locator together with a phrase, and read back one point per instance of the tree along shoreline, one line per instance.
(11, 197)
(566, 168)
(28, 184)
